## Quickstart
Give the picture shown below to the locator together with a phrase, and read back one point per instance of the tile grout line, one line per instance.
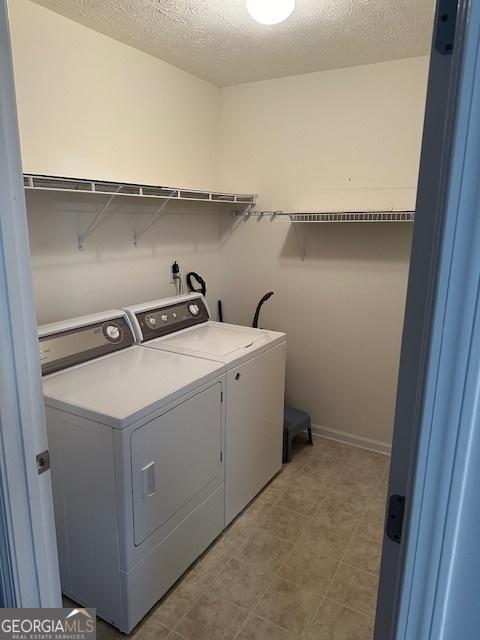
(305, 466)
(274, 577)
(354, 534)
(188, 611)
(343, 463)
(312, 518)
(279, 626)
(196, 600)
(352, 566)
(340, 562)
(276, 573)
(328, 588)
(278, 570)
(340, 604)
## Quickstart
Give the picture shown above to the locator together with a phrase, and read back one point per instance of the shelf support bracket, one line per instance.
(153, 219)
(300, 240)
(99, 219)
(248, 210)
(246, 213)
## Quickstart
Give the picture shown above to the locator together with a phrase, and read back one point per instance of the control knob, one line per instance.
(113, 332)
(164, 317)
(194, 309)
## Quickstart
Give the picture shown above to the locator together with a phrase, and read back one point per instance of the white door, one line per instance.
(30, 576)
(254, 431)
(174, 458)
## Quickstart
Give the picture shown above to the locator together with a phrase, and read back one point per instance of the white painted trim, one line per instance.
(349, 438)
(27, 496)
(429, 586)
(439, 600)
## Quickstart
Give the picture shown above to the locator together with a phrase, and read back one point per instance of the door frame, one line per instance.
(437, 349)
(437, 392)
(29, 571)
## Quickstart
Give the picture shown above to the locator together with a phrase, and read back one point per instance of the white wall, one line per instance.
(347, 139)
(92, 107)
(110, 272)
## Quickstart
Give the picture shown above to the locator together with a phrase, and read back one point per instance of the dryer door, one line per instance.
(174, 458)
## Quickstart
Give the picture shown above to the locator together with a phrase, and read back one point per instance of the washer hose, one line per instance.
(259, 308)
(203, 285)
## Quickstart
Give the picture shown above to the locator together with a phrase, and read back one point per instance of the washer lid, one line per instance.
(124, 387)
(227, 343)
(215, 339)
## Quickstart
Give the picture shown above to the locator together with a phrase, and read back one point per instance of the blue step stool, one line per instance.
(295, 421)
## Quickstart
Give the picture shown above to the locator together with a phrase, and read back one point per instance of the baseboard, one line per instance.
(350, 438)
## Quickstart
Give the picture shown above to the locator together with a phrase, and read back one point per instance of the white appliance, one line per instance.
(136, 440)
(254, 361)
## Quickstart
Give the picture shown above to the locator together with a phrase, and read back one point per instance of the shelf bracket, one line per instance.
(246, 213)
(300, 240)
(99, 219)
(250, 213)
(153, 219)
(248, 210)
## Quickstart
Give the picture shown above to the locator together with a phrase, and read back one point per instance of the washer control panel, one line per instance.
(69, 347)
(165, 320)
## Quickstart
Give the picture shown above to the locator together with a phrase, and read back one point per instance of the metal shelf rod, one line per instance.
(154, 218)
(101, 216)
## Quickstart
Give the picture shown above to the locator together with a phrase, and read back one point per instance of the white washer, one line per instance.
(136, 439)
(255, 384)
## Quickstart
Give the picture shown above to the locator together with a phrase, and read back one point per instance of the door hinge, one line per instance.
(43, 461)
(221, 396)
(396, 509)
(221, 456)
(445, 27)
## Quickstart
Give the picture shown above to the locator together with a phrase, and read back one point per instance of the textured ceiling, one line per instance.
(217, 39)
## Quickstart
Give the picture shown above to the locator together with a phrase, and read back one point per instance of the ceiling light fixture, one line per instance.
(270, 11)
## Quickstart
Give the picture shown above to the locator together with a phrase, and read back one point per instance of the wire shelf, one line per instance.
(355, 216)
(336, 216)
(78, 185)
(238, 202)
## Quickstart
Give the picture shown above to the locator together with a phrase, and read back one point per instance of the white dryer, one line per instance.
(136, 439)
(254, 360)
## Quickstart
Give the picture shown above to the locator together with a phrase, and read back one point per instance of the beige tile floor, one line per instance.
(301, 561)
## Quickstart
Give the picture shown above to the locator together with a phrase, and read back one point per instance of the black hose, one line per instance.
(259, 308)
(203, 285)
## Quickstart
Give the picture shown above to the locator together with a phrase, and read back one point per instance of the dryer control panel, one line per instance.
(67, 347)
(161, 321)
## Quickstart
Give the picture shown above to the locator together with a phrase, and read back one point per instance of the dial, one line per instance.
(113, 332)
(151, 321)
(164, 317)
(194, 309)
